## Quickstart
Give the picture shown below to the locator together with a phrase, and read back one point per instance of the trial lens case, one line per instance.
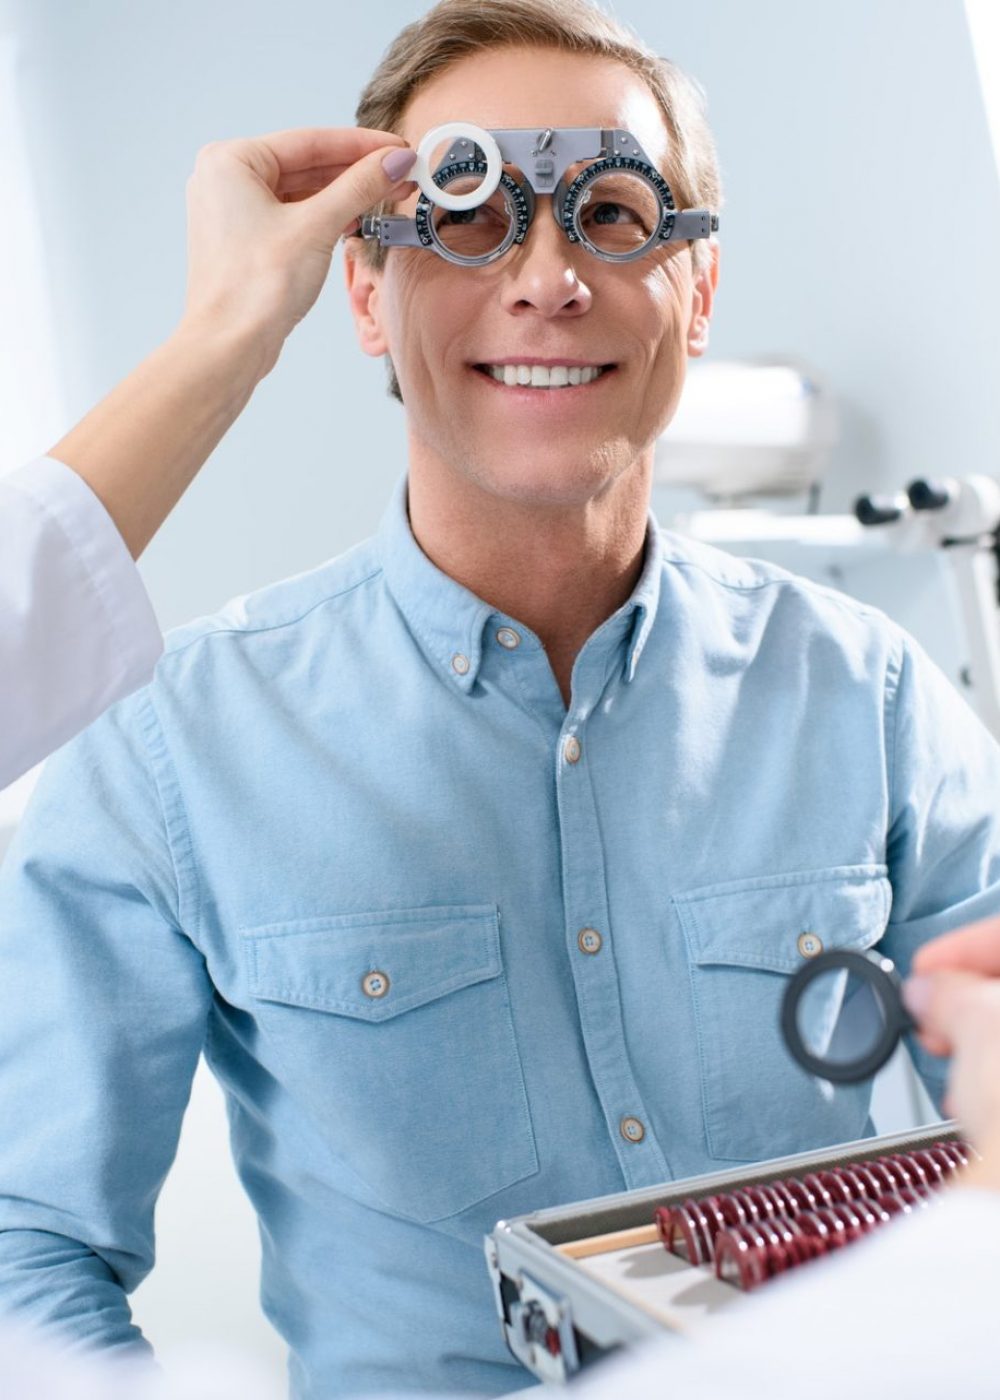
(575, 1282)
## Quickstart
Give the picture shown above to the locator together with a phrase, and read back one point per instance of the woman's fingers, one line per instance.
(363, 185)
(310, 148)
(316, 178)
(974, 948)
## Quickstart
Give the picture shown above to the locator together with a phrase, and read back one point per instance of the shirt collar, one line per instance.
(448, 620)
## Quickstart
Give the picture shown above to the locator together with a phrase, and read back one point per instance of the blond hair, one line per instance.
(454, 29)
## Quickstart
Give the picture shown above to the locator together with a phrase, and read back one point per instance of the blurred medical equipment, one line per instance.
(927, 556)
(480, 199)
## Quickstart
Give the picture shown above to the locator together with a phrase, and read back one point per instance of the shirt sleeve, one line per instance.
(943, 843)
(77, 629)
(910, 1311)
(103, 1011)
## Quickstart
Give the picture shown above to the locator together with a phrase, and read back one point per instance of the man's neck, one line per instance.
(559, 570)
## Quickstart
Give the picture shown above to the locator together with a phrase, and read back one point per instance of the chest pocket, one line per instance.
(395, 1029)
(744, 940)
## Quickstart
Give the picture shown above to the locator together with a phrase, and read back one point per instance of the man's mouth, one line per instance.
(543, 376)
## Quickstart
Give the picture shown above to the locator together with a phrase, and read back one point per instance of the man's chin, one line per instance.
(529, 476)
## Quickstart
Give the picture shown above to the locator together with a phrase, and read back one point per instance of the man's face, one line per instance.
(547, 301)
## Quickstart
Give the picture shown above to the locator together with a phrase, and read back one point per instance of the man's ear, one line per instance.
(364, 286)
(706, 280)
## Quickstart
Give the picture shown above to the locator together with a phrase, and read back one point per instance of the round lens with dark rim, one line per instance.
(619, 213)
(473, 233)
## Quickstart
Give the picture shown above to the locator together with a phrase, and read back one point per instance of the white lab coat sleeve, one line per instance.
(77, 629)
(911, 1311)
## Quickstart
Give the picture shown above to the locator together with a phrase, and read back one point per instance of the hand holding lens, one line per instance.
(842, 1015)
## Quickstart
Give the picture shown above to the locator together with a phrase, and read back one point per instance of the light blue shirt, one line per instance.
(454, 951)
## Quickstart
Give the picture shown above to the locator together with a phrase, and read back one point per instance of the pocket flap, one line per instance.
(374, 966)
(758, 923)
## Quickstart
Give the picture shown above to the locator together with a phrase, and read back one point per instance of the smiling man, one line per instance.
(477, 860)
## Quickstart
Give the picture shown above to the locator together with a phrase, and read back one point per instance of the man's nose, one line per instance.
(542, 274)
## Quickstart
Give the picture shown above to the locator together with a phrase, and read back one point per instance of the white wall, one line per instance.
(861, 232)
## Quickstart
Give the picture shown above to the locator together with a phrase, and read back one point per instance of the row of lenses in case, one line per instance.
(756, 1232)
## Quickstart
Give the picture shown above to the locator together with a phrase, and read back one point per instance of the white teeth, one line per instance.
(544, 376)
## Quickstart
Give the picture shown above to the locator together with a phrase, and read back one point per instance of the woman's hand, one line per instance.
(264, 216)
(954, 994)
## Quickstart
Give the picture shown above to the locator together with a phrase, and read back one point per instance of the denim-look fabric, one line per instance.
(339, 846)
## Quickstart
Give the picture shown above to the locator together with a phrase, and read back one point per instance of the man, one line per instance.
(476, 860)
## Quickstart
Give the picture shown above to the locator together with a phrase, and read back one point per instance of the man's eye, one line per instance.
(613, 214)
(459, 216)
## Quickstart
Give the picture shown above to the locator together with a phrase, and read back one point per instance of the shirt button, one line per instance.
(460, 664)
(508, 638)
(632, 1130)
(572, 749)
(375, 984)
(589, 940)
(809, 944)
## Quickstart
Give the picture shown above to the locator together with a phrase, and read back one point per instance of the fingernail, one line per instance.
(917, 994)
(397, 163)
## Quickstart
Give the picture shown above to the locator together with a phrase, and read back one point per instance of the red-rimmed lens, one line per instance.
(914, 1196)
(758, 1206)
(916, 1175)
(955, 1150)
(850, 1214)
(894, 1203)
(786, 1200)
(878, 1211)
(705, 1232)
(775, 1199)
(811, 1224)
(945, 1158)
(841, 1184)
(836, 1226)
(800, 1194)
(896, 1169)
(886, 1178)
(935, 1172)
(820, 1193)
(867, 1214)
(770, 1231)
(683, 1235)
(739, 1257)
(870, 1182)
(713, 1218)
(731, 1210)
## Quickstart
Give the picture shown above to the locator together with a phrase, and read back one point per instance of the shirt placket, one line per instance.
(589, 933)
